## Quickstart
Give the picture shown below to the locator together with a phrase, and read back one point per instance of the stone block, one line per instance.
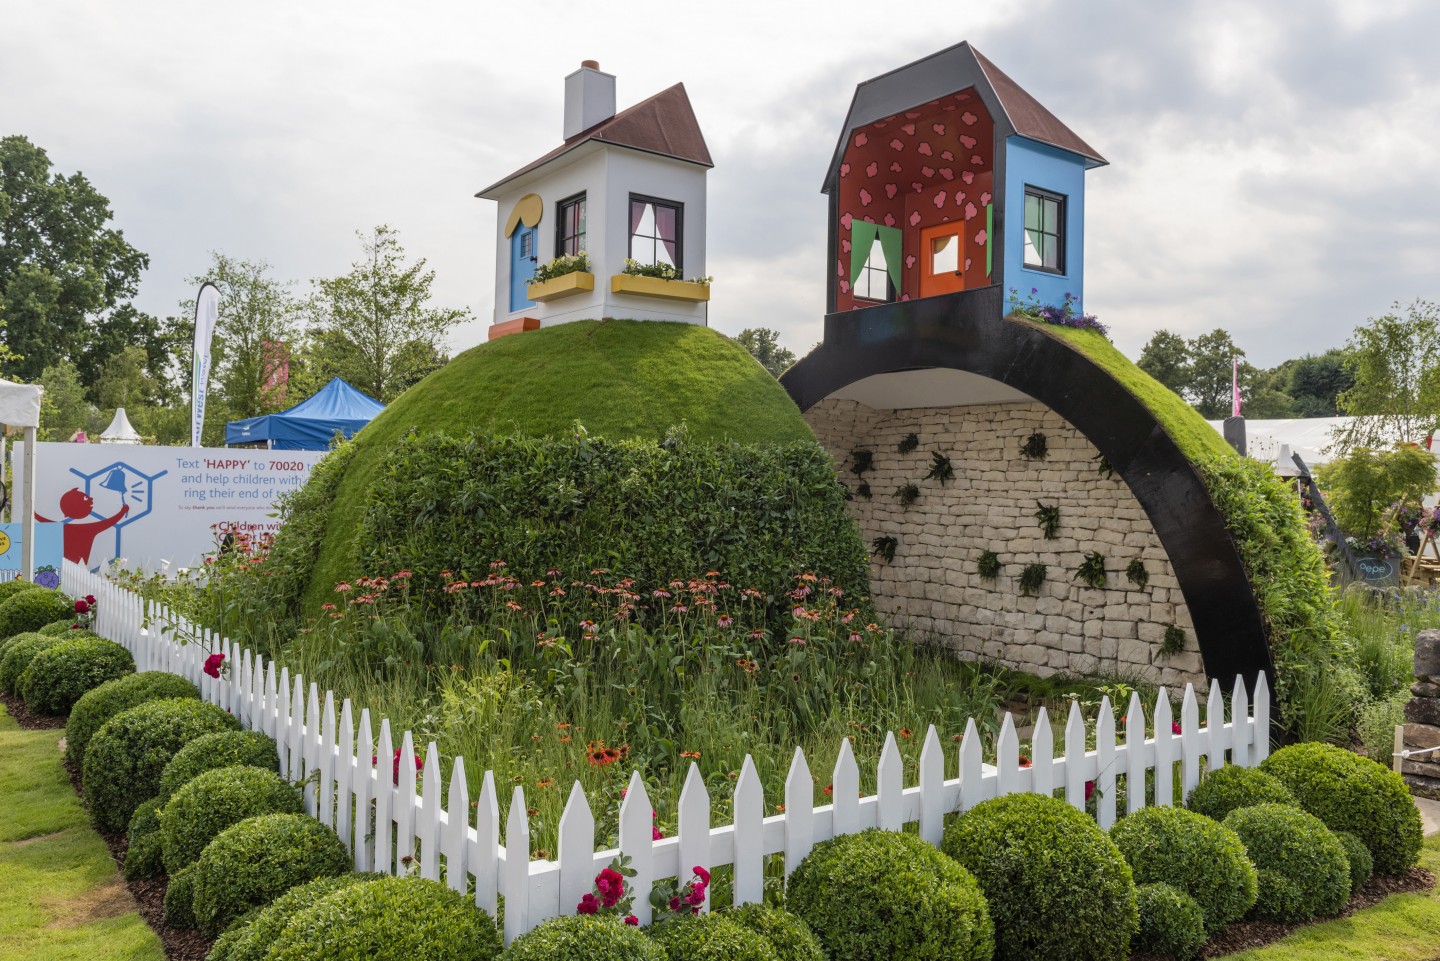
(1133, 652)
(1118, 629)
(1423, 710)
(1425, 689)
(1427, 655)
(1421, 735)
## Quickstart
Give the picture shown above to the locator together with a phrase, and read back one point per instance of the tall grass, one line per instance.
(1382, 626)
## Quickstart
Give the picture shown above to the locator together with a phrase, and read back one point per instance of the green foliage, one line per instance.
(1173, 642)
(1363, 484)
(1092, 570)
(9, 589)
(1357, 856)
(1032, 578)
(580, 937)
(763, 344)
(104, 702)
(940, 468)
(32, 609)
(862, 489)
(1056, 885)
(1137, 573)
(1035, 447)
(907, 494)
(60, 628)
(62, 673)
(1103, 468)
(1396, 392)
(377, 323)
(1048, 517)
(390, 919)
(622, 379)
(1308, 872)
(908, 443)
(882, 894)
(250, 937)
(222, 749)
(125, 758)
(1171, 923)
(142, 846)
(64, 408)
(884, 547)
(1231, 787)
(1352, 793)
(1166, 357)
(1166, 845)
(250, 864)
(18, 654)
(562, 265)
(179, 901)
(710, 937)
(791, 937)
(1375, 725)
(212, 802)
(861, 461)
(5, 642)
(1382, 627)
(988, 565)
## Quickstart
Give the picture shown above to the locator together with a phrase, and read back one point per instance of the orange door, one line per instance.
(942, 259)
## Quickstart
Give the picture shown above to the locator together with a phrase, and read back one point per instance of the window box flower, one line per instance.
(659, 280)
(565, 275)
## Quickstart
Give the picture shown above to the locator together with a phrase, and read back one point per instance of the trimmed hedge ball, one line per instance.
(1308, 873)
(1056, 885)
(1355, 794)
(125, 758)
(63, 627)
(60, 675)
(1171, 923)
(9, 589)
(179, 901)
(1165, 845)
(881, 894)
(709, 937)
(5, 642)
(222, 749)
(1362, 865)
(98, 706)
(17, 657)
(791, 937)
(142, 847)
(581, 937)
(213, 801)
(252, 863)
(30, 610)
(1232, 787)
(391, 919)
(250, 937)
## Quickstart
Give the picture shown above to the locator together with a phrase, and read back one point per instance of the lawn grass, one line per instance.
(64, 897)
(619, 378)
(1405, 927)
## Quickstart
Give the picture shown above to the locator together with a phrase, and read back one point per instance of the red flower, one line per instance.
(631, 920)
(611, 886)
(696, 895)
(212, 664)
(81, 607)
(1089, 789)
(675, 903)
(656, 834)
(90, 598)
(588, 905)
(1175, 727)
(702, 874)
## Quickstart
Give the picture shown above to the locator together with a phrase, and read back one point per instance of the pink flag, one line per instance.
(1235, 386)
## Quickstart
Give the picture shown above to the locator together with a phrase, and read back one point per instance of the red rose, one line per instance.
(702, 874)
(212, 664)
(90, 598)
(81, 607)
(588, 905)
(631, 920)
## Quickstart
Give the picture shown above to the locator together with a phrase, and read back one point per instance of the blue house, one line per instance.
(949, 177)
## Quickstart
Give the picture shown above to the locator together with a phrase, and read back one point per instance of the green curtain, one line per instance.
(862, 238)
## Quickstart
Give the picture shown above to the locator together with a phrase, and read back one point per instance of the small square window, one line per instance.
(570, 226)
(1044, 231)
(655, 231)
(873, 281)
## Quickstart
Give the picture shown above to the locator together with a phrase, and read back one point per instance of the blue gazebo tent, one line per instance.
(310, 424)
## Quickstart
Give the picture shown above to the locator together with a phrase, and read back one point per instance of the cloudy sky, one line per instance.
(1273, 165)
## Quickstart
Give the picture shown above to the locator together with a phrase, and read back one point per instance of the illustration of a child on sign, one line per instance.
(80, 536)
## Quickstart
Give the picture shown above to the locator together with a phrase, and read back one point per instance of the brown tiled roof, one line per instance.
(665, 124)
(1029, 117)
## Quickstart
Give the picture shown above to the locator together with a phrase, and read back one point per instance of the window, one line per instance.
(570, 226)
(1044, 231)
(873, 280)
(527, 244)
(655, 227)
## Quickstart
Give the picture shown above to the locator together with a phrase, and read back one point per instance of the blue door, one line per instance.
(522, 265)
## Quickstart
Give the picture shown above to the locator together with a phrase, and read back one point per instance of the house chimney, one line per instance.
(589, 98)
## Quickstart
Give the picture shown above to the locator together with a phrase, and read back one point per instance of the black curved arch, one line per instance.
(967, 331)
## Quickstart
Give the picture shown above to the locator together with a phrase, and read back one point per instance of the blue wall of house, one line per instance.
(1028, 162)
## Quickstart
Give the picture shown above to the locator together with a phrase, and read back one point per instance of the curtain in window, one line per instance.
(863, 236)
(665, 230)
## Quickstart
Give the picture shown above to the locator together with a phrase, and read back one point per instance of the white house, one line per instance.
(623, 186)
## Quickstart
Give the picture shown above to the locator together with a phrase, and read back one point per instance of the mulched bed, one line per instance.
(190, 945)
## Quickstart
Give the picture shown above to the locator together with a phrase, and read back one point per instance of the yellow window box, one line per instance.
(655, 287)
(562, 286)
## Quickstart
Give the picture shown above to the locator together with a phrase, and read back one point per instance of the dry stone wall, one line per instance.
(1422, 715)
(933, 586)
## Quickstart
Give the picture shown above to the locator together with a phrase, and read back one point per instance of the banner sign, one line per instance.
(207, 314)
(157, 507)
(47, 553)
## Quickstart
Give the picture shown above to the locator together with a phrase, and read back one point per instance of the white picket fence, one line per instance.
(409, 826)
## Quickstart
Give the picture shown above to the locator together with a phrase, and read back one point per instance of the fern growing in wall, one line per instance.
(907, 494)
(1102, 466)
(1092, 570)
(1048, 516)
(911, 441)
(1035, 447)
(861, 461)
(940, 468)
(1173, 643)
(1032, 578)
(884, 548)
(1137, 573)
(988, 565)
(863, 489)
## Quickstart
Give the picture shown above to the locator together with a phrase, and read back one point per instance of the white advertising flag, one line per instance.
(207, 312)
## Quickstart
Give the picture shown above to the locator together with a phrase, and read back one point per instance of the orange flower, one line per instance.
(780, 808)
(828, 790)
(545, 782)
(565, 739)
(905, 732)
(563, 726)
(691, 754)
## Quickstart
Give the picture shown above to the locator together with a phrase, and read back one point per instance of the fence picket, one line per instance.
(932, 788)
(364, 791)
(324, 790)
(1164, 751)
(1241, 735)
(694, 818)
(1189, 743)
(637, 823)
(1076, 773)
(972, 768)
(456, 843)
(749, 857)
(517, 867)
(427, 828)
(1042, 755)
(1262, 719)
(845, 792)
(1007, 758)
(485, 850)
(405, 806)
(345, 774)
(890, 784)
(799, 813)
(383, 860)
(576, 850)
(1105, 761)
(1215, 727)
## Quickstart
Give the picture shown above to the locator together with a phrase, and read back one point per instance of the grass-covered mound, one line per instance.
(620, 379)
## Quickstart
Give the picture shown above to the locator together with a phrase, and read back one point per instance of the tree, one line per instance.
(124, 381)
(1365, 483)
(1396, 393)
(374, 326)
(1316, 382)
(1167, 358)
(764, 345)
(64, 408)
(257, 312)
(66, 276)
(1211, 358)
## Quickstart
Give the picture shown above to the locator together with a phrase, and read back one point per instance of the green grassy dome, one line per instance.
(619, 378)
